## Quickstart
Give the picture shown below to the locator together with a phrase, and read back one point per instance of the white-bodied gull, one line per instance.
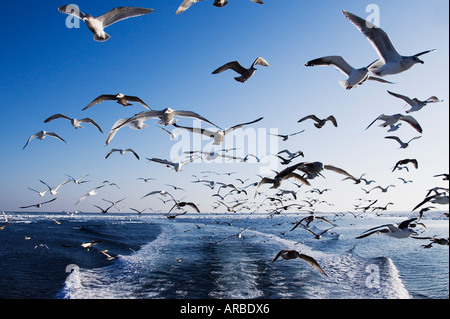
(416, 104)
(98, 24)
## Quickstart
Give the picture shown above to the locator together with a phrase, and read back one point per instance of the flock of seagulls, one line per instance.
(301, 174)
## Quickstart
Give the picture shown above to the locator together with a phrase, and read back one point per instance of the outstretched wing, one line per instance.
(235, 66)
(186, 5)
(376, 36)
(101, 98)
(336, 61)
(72, 10)
(241, 125)
(313, 263)
(56, 116)
(121, 13)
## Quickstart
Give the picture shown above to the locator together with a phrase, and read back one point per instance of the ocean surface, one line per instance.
(188, 257)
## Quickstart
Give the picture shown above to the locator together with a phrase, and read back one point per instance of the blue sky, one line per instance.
(167, 60)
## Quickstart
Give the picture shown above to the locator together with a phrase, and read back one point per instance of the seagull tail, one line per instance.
(346, 85)
(102, 39)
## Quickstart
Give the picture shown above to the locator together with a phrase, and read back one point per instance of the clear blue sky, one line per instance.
(167, 60)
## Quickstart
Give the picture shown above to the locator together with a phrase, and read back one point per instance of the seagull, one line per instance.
(41, 135)
(416, 104)
(146, 180)
(355, 76)
(120, 98)
(104, 211)
(173, 135)
(317, 236)
(445, 177)
(230, 209)
(138, 211)
(86, 245)
(177, 166)
(76, 123)
(97, 24)
(222, 3)
(286, 137)
(238, 235)
(166, 116)
(39, 205)
(245, 73)
(392, 119)
(320, 122)
(279, 178)
(184, 204)
(435, 199)
(288, 254)
(391, 62)
(41, 194)
(134, 125)
(434, 240)
(402, 144)
(90, 193)
(54, 191)
(383, 189)
(218, 3)
(108, 256)
(161, 192)
(406, 161)
(401, 231)
(310, 219)
(122, 152)
(292, 155)
(78, 180)
(218, 136)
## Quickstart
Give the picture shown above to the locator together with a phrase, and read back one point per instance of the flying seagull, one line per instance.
(286, 137)
(245, 73)
(120, 98)
(279, 178)
(288, 254)
(218, 3)
(54, 190)
(39, 205)
(355, 76)
(402, 144)
(392, 119)
(166, 116)
(401, 231)
(75, 122)
(90, 193)
(41, 135)
(435, 199)
(134, 125)
(98, 24)
(416, 104)
(406, 161)
(122, 152)
(390, 62)
(319, 122)
(175, 165)
(218, 136)
(238, 235)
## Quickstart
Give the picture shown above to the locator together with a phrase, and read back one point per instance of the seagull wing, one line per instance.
(72, 10)
(186, 5)
(336, 61)
(374, 78)
(89, 120)
(57, 116)
(110, 152)
(235, 66)
(193, 115)
(143, 116)
(31, 137)
(311, 261)
(241, 125)
(194, 207)
(395, 138)
(339, 171)
(332, 119)
(424, 52)
(138, 100)
(376, 36)
(378, 118)
(265, 180)
(132, 151)
(121, 13)
(403, 97)
(312, 117)
(412, 121)
(427, 199)
(100, 99)
(297, 177)
(260, 61)
(405, 224)
(56, 135)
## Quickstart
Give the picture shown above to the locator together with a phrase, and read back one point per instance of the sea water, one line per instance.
(201, 257)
